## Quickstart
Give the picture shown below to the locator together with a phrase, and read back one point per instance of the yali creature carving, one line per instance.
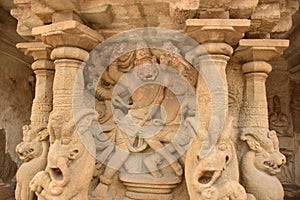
(33, 151)
(63, 177)
(216, 176)
(260, 165)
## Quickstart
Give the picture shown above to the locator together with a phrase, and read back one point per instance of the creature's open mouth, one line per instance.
(274, 167)
(56, 174)
(206, 177)
(26, 155)
(60, 174)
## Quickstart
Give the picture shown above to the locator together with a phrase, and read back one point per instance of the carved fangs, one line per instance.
(272, 166)
(26, 155)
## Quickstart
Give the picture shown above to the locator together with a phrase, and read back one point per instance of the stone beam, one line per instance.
(68, 33)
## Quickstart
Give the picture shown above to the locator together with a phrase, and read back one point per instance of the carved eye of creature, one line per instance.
(222, 146)
(65, 141)
(73, 154)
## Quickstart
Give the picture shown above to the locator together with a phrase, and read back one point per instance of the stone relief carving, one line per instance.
(260, 164)
(33, 152)
(119, 145)
(143, 138)
(216, 176)
(278, 121)
(143, 145)
(64, 177)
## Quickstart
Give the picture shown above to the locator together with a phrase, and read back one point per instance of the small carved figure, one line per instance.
(260, 165)
(64, 177)
(33, 151)
(278, 120)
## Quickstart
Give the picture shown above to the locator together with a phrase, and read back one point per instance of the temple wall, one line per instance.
(16, 91)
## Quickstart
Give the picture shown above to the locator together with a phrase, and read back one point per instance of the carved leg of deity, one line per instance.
(159, 147)
(152, 163)
(114, 164)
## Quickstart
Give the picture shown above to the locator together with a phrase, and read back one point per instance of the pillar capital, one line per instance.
(260, 49)
(36, 50)
(68, 33)
(219, 48)
(69, 53)
(256, 67)
(229, 31)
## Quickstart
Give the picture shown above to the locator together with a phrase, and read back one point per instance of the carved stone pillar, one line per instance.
(262, 161)
(34, 148)
(44, 70)
(216, 36)
(71, 41)
(71, 142)
(255, 55)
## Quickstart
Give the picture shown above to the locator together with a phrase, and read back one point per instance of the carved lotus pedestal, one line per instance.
(145, 186)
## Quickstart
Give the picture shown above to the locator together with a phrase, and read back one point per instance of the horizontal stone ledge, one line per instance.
(259, 49)
(229, 31)
(238, 23)
(264, 43)
(37, 50)
(63, 31)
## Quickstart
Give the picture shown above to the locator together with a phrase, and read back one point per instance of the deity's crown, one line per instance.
(142, 51)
